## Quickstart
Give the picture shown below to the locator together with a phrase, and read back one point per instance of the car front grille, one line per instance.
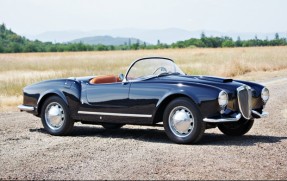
(244, 96)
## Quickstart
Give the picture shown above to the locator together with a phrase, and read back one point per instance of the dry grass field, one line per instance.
(19, 70)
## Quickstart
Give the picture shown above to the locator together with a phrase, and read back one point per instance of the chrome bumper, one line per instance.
(258, 115)
(235, 117)
(26, 108)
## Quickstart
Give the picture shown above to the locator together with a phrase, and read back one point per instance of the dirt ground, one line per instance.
(134, 152)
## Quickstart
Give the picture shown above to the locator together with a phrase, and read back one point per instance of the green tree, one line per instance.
(202, 36)
(130, 43)
(30, 47)
(1, 46)
(228, 43)
(16, 48)
(101, 47)
(2, 27)
(135, 46)
(276, 36)
(238, 42)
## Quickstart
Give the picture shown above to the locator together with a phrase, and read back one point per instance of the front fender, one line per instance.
(257, 87)
(43, 96)
(52, 91)
(204, 96)
(70, 95)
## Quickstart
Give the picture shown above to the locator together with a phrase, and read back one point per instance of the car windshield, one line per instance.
(152, 67)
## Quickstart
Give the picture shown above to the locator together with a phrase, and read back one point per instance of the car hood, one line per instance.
(227, 84)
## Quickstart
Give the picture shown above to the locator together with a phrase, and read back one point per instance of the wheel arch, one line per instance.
(48, 94)
(158, 115)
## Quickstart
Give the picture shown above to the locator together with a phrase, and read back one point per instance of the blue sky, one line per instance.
(36, 16)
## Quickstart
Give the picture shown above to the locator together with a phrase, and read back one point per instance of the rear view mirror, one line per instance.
(121, 77)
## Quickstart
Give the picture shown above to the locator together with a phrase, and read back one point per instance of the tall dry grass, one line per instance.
(19, 70)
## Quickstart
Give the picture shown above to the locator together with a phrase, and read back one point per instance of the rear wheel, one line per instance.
(236, 128)
(55, 116)
(112, 126)
(183, 122)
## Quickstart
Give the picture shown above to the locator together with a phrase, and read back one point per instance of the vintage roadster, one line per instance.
(152, 91)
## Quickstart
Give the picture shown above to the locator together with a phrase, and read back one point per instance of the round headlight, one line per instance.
(223, 99)
(265, 94)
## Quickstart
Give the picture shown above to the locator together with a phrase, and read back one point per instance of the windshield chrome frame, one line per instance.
(145, 58)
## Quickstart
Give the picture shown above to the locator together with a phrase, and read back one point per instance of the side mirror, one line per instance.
(121, 77)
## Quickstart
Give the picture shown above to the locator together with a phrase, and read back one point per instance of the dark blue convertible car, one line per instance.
(152, 91)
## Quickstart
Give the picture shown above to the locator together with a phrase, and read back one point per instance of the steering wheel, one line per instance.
(161, 69)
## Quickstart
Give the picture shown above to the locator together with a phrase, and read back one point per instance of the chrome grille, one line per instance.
(244, 96)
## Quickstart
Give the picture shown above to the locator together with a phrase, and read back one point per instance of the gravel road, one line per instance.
(134, 152)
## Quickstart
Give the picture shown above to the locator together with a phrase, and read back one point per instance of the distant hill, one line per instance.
(107, 40)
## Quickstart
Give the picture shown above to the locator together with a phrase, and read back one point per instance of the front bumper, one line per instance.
(26, 108)
(256, 114)
(235, 117)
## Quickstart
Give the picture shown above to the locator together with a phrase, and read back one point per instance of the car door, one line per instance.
(111, 103)
(108, 97)
(145, 95)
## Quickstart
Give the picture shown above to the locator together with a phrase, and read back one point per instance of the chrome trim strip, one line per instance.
(116, 114)
(26, 108)
(234, 117)
(263, 115)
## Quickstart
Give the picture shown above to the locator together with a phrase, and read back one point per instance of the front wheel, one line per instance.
(55, 117)
(183, 122)
(236, 128)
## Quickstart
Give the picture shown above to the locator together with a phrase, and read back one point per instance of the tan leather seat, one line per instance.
(118, 79)
(104, 79)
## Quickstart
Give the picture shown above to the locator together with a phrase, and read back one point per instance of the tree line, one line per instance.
(10, 42)
(217, 42)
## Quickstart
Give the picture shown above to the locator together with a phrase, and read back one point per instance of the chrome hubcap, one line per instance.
(54, 115)
(181, 121)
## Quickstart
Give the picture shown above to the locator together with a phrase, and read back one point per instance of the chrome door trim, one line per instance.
(115, 114)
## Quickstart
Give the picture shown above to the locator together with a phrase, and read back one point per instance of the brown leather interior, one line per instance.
(118, 79)
(104, 79)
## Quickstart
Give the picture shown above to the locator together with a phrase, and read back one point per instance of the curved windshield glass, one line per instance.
(152, 67)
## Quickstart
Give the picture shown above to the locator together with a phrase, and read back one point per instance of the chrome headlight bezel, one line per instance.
(265, 95)
(223, 99)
